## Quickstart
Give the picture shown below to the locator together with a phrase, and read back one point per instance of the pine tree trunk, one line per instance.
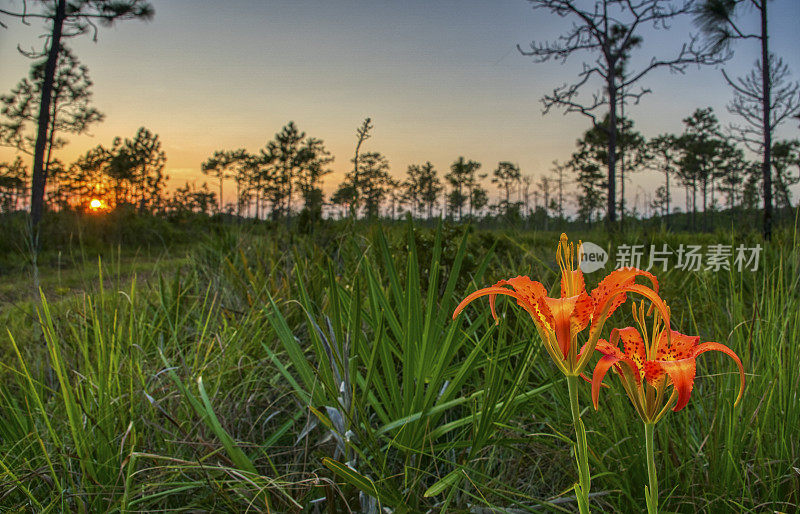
(765, 106)
(612, 149)
(219, 209)
(39, 178)
(705, 204)
(622, 162)
(666, 175)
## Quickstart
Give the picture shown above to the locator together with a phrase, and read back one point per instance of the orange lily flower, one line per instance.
(651, 361)
(660, 358)
(560, 320)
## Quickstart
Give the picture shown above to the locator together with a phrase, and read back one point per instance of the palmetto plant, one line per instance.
(402, 390)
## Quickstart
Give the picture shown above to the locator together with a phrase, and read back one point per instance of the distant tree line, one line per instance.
(284, 179)
(707, 163)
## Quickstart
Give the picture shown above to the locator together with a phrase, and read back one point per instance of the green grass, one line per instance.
(251, 367)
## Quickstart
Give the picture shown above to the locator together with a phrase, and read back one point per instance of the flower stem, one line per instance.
(651, 493)
(581, 448)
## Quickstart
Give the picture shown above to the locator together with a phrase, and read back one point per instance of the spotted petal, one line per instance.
(600, 370)
(523, 289)
(568, 316)
(610, 292)
(634, 348)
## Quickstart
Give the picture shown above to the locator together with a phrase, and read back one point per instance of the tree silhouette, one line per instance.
(505, 175)
(146, 159)
(525, 193)
(560, 181)
(545, 188)
(344, 196)
(422, 187)
(733, 173)
(309, 178)
(592, 157)
(136, 168)
(609, 30)
(66, 19)
(394, 190)
(70, 107)
(785, 157)
(705, 154)
(460, 178)
(754, 98)
(89, 178)
(298, 166)
(246, 171)
(587, 164)
(362, 134)
(13, 184)
(748, 104)
(478, 199)
(664, 152)
(373, 182)
(259, 175)
(218, 166)
(192, 199)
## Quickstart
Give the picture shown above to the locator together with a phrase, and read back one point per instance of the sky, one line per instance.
(439, 78)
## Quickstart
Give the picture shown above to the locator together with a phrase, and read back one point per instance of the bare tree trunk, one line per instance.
(39, 178)
(666, 176)
(767, 129)
(705, 204)
(219, 209)
(50, 135)
(612, 150)
(622, 161)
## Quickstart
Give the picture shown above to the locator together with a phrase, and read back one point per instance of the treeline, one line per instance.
(709, 165)
(284, 178)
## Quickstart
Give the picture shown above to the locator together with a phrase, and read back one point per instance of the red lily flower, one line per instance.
(560, 320)
(659, 358)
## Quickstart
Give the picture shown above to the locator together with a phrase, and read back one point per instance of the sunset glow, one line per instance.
(97, 205)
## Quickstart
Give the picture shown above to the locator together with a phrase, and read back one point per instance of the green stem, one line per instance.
(652, 493)
(581, 448)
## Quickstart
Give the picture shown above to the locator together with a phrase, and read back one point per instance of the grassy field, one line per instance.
(207, 366)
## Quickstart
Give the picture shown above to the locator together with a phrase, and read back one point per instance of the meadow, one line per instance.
(206, 365)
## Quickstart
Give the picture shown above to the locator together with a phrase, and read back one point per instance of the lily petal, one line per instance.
(494, 291)
(607, 348)
(682, 373)
(568, 316)
(634, 348)
(706, 347)
(601, 369)
(608, 289)
(524, 290)
(675, 347)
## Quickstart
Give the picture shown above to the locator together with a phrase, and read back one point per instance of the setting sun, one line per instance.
(97, 205)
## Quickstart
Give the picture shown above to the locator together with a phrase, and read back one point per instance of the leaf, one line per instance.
(450, 480)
